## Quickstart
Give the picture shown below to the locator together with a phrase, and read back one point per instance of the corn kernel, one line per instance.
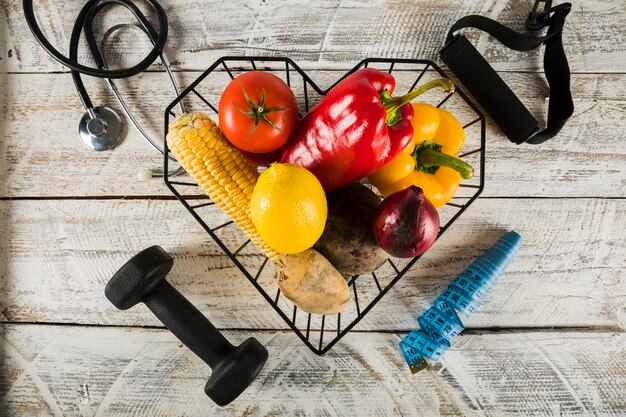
(220, 170)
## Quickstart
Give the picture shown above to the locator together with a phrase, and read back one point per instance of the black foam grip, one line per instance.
(188, 324)
(491, 92)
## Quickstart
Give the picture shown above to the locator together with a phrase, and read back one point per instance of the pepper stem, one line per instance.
(392, 104)
(428, 158)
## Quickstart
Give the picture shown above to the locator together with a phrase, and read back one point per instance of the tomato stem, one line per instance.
(258, 111)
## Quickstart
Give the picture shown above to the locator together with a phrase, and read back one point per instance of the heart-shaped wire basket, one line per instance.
(320, 332)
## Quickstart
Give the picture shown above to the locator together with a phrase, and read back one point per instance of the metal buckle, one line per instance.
(538, 20)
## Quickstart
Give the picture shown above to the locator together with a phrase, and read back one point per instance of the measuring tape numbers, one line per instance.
(441, 323)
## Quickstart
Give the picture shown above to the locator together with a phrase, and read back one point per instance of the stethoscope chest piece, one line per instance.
(100, 128)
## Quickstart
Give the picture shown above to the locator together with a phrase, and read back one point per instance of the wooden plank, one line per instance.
(56, 257)
(78, 371)
(40, 154)
(321, 33)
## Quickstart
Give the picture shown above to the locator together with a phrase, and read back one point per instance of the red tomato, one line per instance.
(257, 112)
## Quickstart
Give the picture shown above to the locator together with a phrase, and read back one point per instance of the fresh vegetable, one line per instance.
(312, 283)
(355, 129)
(228, 179)
(406, 224)
(257, 112)
(288, 208)
(428, 162)
(220, 170)
(348, 242)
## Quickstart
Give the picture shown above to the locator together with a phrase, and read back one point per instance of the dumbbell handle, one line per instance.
(188, 324)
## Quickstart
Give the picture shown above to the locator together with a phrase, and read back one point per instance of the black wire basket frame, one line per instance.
(291, 71)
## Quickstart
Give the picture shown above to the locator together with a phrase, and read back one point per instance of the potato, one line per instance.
(312, 283)
(348, 241)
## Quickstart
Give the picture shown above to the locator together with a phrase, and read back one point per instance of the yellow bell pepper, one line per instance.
(428, 162)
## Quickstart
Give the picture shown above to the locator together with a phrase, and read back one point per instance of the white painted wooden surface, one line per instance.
(586, 160)
(63, 249)
(122, 372)
(561, 306)
(330, 33)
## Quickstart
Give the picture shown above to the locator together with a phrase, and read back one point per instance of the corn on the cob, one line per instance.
(220, 169)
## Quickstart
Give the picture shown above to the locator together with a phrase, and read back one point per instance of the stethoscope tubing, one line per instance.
(120, 100)
(159, 42)
(84, 21)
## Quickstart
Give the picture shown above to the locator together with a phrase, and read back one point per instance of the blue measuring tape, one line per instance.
(440, 323)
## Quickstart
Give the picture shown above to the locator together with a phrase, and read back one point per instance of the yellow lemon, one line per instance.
(288, 208)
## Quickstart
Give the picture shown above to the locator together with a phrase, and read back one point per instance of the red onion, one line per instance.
(406, 224)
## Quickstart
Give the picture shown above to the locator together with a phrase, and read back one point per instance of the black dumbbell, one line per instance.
(142, 279)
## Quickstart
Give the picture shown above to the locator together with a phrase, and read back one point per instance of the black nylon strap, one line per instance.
(561, 106)
(507, 36)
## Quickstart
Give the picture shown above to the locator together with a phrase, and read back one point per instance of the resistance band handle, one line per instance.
(507, 111)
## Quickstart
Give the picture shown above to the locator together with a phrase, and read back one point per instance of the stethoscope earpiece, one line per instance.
(100, 128)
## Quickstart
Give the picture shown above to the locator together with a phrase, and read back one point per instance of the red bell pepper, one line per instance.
(355, 129)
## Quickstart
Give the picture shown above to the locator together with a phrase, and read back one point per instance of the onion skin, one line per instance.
(406, 224)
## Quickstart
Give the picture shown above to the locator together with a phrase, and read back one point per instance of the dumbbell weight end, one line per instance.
(142, 279)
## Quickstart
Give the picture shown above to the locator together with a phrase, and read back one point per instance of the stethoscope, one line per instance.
(100, 128)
